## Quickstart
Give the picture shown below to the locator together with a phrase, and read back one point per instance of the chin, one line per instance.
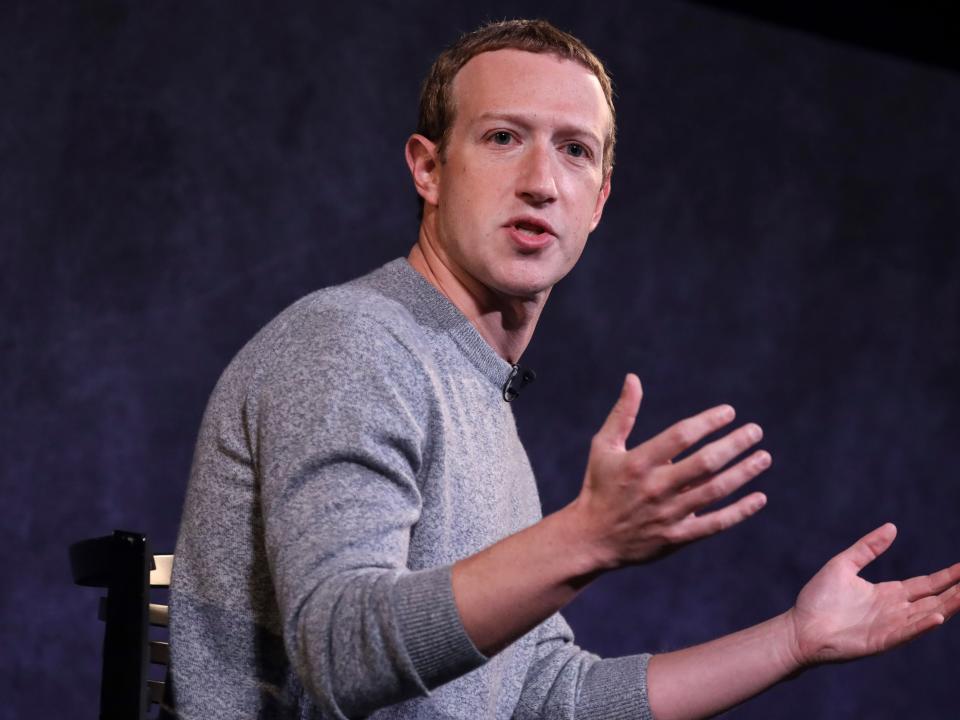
(527, 285)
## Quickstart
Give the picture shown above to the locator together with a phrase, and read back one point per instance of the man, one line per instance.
(362, 534)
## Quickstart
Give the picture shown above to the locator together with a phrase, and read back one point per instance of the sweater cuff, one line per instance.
(616, 689)
(430, 625)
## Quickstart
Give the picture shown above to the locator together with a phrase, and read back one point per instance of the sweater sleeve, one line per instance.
(567, 682)
(339, 427)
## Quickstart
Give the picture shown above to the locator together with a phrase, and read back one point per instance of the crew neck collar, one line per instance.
(434, 309)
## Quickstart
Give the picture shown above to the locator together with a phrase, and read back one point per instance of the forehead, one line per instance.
(535, 84)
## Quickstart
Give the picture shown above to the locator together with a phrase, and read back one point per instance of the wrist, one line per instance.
(587, 542)
(795, 658)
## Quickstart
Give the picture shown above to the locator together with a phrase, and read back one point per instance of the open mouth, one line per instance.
(530, 235)
(530, 228)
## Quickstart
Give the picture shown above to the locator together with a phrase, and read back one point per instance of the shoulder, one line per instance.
(359, 334)
(352, 320)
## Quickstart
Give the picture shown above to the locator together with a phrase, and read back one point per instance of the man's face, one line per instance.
(522, 184)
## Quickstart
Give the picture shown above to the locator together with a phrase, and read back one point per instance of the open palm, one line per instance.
(840, 616)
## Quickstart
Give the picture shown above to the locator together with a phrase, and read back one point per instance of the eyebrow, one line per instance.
(523, 121)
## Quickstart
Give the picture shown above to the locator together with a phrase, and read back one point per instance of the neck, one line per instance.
(505, 322)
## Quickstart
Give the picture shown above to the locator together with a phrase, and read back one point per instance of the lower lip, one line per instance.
(528, 242)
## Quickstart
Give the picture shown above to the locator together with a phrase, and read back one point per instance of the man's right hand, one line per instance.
(635, 506)
(638, 505)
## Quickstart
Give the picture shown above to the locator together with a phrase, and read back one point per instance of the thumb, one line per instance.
(616, 428)
(871, 546)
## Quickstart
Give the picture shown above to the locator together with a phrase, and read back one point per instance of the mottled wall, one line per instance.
(781, 236)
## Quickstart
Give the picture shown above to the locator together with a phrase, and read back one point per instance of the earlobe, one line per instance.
(424, 165)
(601, 201)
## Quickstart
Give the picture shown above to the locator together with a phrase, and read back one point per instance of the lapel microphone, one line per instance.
(519, 378)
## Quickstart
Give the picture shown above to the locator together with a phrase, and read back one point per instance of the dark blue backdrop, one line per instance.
(781, 236)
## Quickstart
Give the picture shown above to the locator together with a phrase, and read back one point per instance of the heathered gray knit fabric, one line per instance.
(353, 451)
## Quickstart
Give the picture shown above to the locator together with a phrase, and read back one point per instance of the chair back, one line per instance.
(123, 564)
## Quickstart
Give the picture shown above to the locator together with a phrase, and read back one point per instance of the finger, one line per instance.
(682, 435)
(923, 585)
(725, 483)
(616, 428)
(946, 603)
(702, 526)
(712, 458)
(925, 606)
(914, 629)
(950, 602)
(871, 546)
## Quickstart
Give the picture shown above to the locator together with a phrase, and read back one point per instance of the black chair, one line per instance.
(122, 563)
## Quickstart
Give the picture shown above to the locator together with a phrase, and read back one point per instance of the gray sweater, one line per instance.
(353, 451)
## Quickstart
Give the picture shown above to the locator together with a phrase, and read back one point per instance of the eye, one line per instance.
(501, 137)
(577, 150)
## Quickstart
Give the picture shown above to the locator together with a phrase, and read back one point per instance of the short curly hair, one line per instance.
(437, 108)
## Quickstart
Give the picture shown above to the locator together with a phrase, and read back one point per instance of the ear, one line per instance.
(601, 201)
(424, 163)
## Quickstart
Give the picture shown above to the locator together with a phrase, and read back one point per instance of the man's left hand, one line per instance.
(840, 616)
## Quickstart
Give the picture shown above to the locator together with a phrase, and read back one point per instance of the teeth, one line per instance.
(528, 229)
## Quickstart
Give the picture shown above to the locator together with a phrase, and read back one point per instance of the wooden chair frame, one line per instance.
(122, 563)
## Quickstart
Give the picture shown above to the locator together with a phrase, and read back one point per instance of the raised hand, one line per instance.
(840, 616)
(641, 505)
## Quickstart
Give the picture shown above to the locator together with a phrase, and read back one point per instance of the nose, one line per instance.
(537, 183)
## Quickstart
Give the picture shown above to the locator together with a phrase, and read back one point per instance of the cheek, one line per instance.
(466, 189)
(583, 189)
(592, 201)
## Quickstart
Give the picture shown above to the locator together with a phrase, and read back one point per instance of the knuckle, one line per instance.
(669, 536)
(715, 490)
(647, 494)
(723, 521)
(656, 491)
(598, 443)
(682, 434)
(709, 461)
(636, 465)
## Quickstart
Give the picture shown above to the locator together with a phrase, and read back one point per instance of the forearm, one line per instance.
(706, 679)
(634, 507)
(509, 588)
